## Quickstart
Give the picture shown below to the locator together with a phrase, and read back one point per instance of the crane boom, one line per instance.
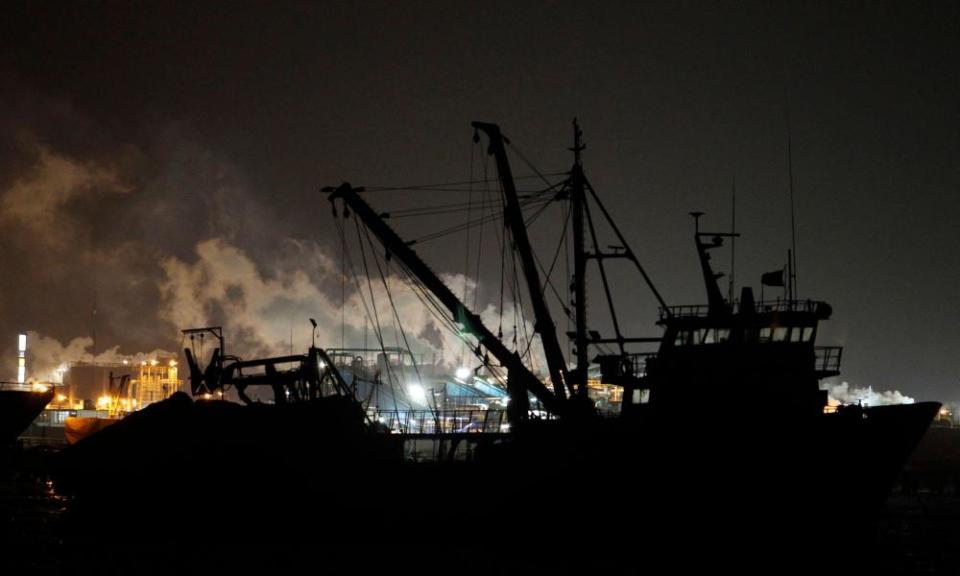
(519, 378)
(514, 217)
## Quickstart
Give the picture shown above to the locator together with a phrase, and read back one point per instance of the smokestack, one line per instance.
(22, 359)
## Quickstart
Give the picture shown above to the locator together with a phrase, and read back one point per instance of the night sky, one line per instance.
(138, 142)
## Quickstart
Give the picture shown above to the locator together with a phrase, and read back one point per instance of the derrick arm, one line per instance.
(518, 374)
(514, 217)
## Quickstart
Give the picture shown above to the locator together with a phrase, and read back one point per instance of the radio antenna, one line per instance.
(793, 222)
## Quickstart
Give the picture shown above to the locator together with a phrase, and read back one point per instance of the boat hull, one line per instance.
(218, 472)
(18, 408)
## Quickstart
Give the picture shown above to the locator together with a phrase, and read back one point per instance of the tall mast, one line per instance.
(514, 217)
(793, 225)
(577, 199)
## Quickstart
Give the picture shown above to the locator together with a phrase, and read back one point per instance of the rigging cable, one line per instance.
(367, 315)
(565, 217)
(399, 324)
(466, 251)
(527, 162)
(476, 276)
(441, 186)
(378, 329)
(603, 278)
(547, 282)
(461, 227)
(343, 293)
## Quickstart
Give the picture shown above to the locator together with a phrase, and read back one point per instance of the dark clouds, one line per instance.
(86, 222)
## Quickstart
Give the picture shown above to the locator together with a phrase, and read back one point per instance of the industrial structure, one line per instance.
(127, 385)
(96, 394)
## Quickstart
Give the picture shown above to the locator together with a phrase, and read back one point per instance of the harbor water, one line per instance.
(45, 532)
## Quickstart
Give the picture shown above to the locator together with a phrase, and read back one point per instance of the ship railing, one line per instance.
(684, 311)
(828, 358)
(371, 358)
(781, 305)
(778, 305)
(457, 421)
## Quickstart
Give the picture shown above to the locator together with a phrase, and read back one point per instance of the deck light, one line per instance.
(417, 393)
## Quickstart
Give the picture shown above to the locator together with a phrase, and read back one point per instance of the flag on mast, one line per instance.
(774, 278)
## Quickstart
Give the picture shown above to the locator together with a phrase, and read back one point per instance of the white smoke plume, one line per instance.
(261, 308)
(36, 200)
(843, 393)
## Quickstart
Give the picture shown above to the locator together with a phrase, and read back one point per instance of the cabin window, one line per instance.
(795, 333)
(780, 334)
(765, 334)
(716, 335)
(640, 396)
(808, 333)
(699, 336)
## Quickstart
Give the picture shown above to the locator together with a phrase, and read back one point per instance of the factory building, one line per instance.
(122, 387)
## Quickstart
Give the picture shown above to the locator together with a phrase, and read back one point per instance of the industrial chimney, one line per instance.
(22, 359)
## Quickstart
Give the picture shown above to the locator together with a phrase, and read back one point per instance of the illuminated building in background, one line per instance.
(22, 359)
(89, 387)
(157, 380)
(86, 383)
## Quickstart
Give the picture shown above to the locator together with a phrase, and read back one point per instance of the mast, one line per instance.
(514, 217)
(577, 199)
(519, 378)
(792, 280)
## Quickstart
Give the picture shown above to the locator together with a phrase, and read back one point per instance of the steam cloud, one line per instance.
(843, 394)
(262, 307)
(134, 233)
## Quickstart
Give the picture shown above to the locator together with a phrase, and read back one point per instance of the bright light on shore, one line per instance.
(463, 373)
(417, 393)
